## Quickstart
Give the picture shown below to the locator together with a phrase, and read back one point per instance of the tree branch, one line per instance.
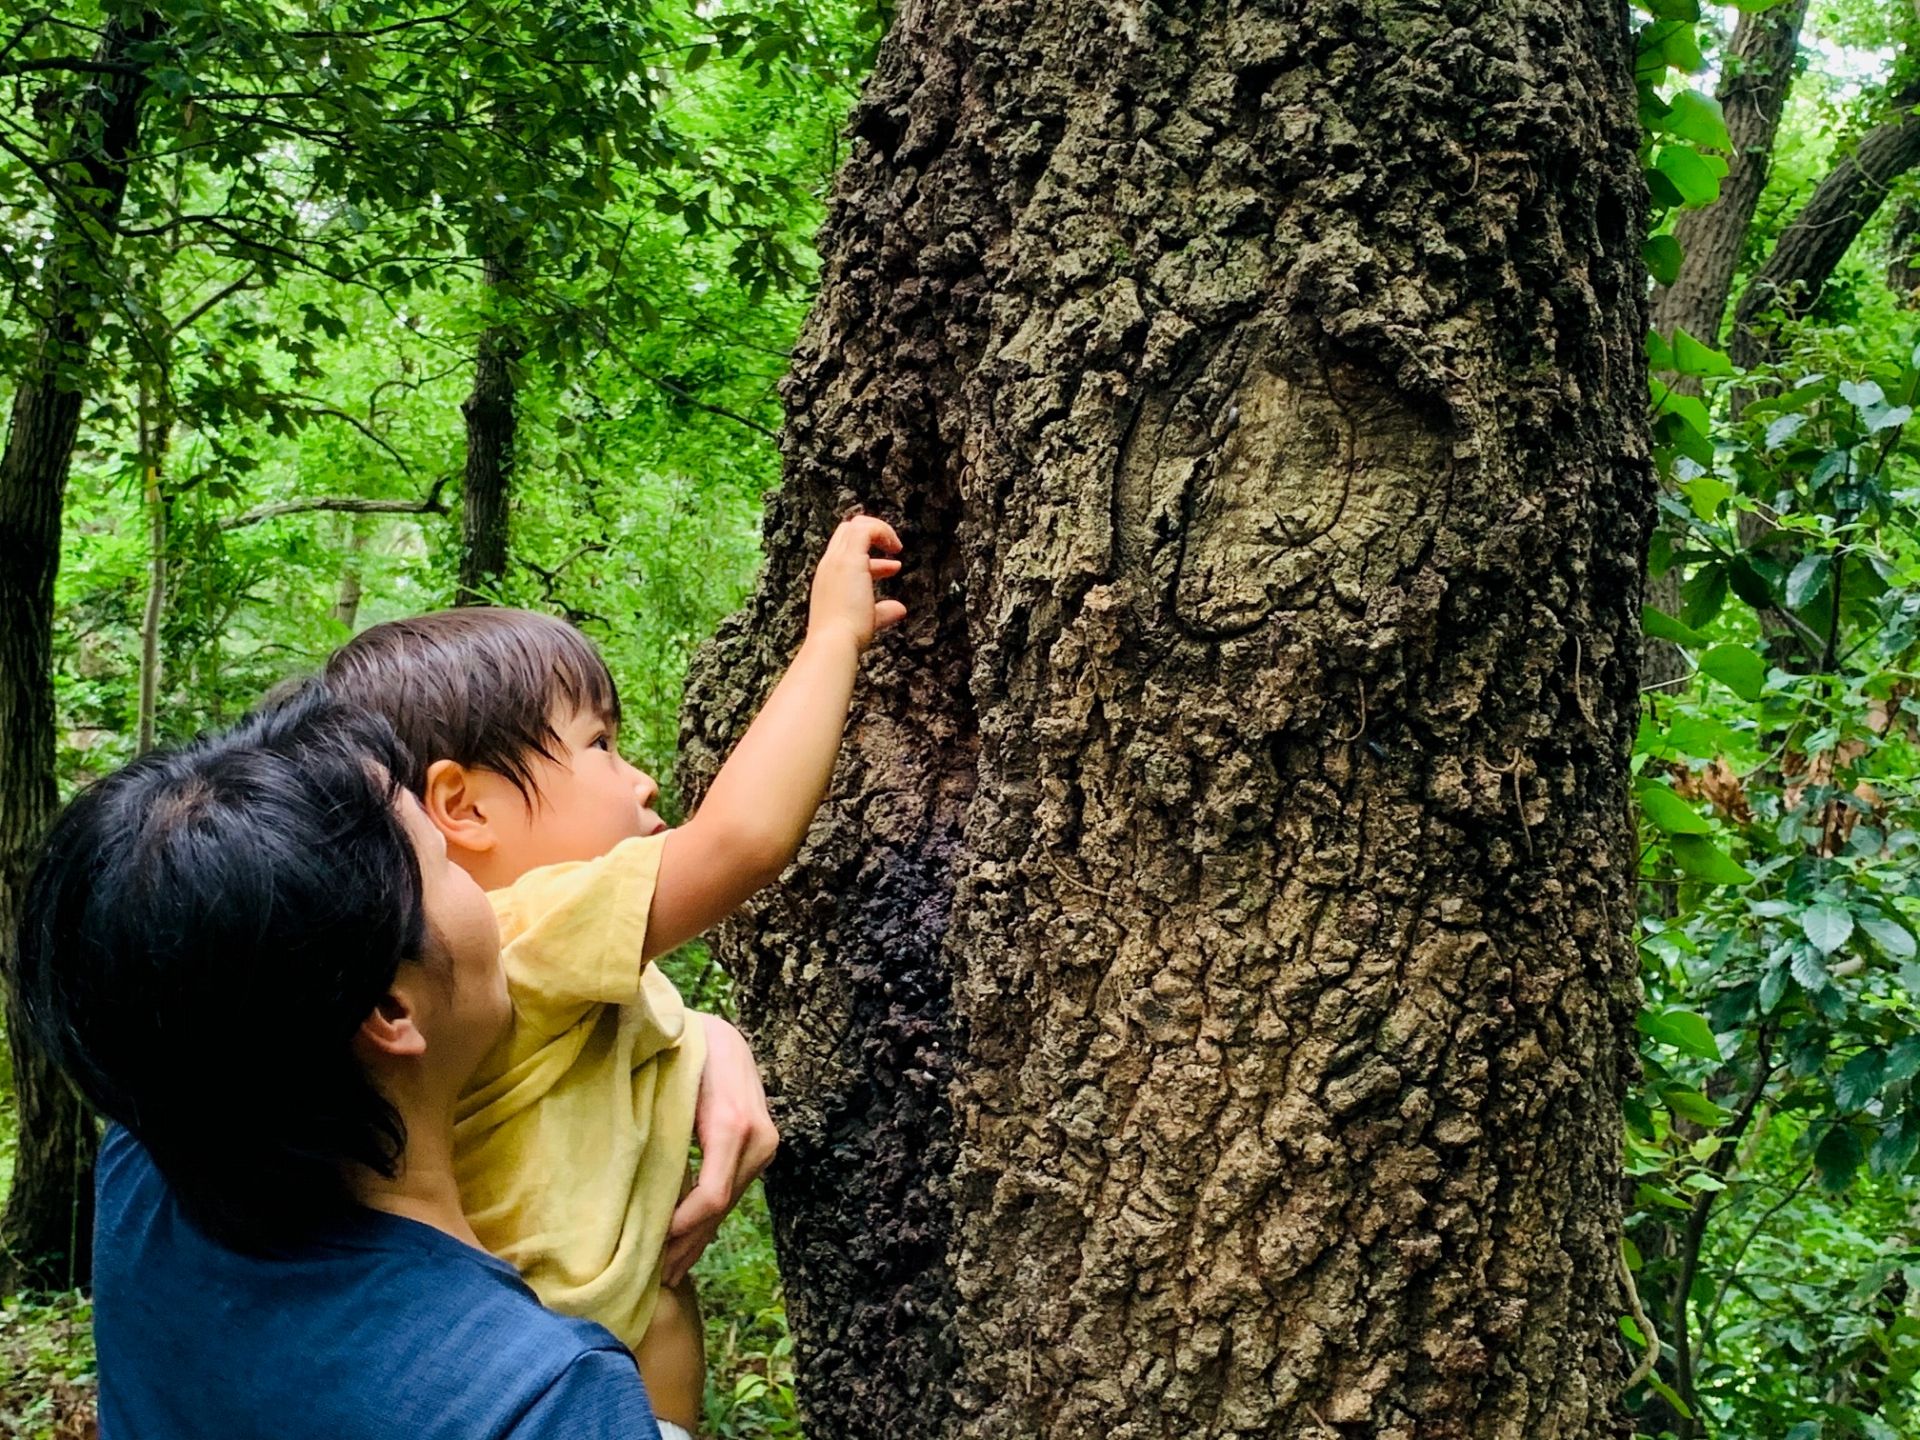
(351, 505)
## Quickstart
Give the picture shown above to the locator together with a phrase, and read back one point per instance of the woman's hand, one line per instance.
(735, 1132)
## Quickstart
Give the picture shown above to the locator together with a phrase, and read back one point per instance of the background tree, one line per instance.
(92, 131)
(1234, 839)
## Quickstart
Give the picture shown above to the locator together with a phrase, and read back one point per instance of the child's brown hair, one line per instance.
(478, 685)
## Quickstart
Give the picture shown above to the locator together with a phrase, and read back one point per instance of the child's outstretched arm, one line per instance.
(757, 811)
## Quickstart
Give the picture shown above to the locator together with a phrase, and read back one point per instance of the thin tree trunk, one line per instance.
(155, 435)
(46, 1229)
(492, 416)
(1203, 1004)
(1756, 76)
(346, 600)
(153, 613)
(1824, 230)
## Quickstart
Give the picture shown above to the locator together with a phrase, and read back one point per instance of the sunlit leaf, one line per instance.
(1738, 668)
(1682, 1029)
(1700, 858)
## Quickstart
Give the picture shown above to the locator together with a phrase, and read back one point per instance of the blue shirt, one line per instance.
(385, 1328)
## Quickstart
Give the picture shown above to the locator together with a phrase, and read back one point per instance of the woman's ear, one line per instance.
(459, 808)
(391, 1027)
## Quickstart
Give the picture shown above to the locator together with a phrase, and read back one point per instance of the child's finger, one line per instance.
(888, 613)
(883, 569)
(876, 531)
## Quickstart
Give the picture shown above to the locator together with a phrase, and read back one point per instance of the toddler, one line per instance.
(571, 1142)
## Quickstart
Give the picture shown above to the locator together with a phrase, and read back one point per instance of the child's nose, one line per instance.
(645, 786)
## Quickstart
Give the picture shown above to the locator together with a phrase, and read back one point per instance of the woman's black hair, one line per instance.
(202, 938)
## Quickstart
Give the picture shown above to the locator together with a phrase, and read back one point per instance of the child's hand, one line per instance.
(842, 601)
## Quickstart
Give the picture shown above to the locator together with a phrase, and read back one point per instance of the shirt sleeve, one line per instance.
(597, 1397)
(571, 935)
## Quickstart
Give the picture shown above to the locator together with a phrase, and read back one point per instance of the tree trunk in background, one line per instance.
(46, 1230)
(1757, 73)
(492, 416)
(1903, 254)
(1203, 1004)
(1824, 230)
(1759, 69)
(346, 599)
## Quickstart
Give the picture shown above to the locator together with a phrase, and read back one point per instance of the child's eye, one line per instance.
(603, 742)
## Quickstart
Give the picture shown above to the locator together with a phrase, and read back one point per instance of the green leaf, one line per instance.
(1893, 1150)
(1632, 1331)
(1827, 927)
(1685, 1031)
(1707, 493)
(1700, 858)
(1681, 50)
(1885, 417)
(1903, 1061)
(1690, 408)
(1668, 811)
(1696, 117)
(1693, 358)
(1695, 175)
(1749, 584)
(1859, 1079)
(1738, 668)
(1784, 429)
(1838, 1157)
(1808, 581)
(1664, 627)
(1639, 1118)
(1647, 1196)
(1810, 969)
(1862, 394)
(1692, 1105)
(1662, 255)
(1894, 939)
(1701, 597)
(1659, 353)
(1773, 985)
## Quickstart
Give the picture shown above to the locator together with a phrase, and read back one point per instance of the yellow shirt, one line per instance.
(571, 1141)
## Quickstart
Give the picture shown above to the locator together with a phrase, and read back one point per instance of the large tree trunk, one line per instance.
(1757, 73)
(47, 1227)
(1203, 1004)
(1825, 228)
(493, 421)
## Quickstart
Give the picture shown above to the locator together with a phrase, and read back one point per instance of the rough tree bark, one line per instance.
(46, 1229)
(1758, 71)
(493, 420)
(1203, 1004)
(1903, 254)
(1825, 228)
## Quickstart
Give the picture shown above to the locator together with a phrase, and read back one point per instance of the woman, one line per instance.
(253, 955)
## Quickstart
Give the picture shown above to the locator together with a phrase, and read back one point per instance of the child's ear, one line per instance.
(391, 1027)
(458, 807)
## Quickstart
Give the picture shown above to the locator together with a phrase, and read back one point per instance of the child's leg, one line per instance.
(673, 1356)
